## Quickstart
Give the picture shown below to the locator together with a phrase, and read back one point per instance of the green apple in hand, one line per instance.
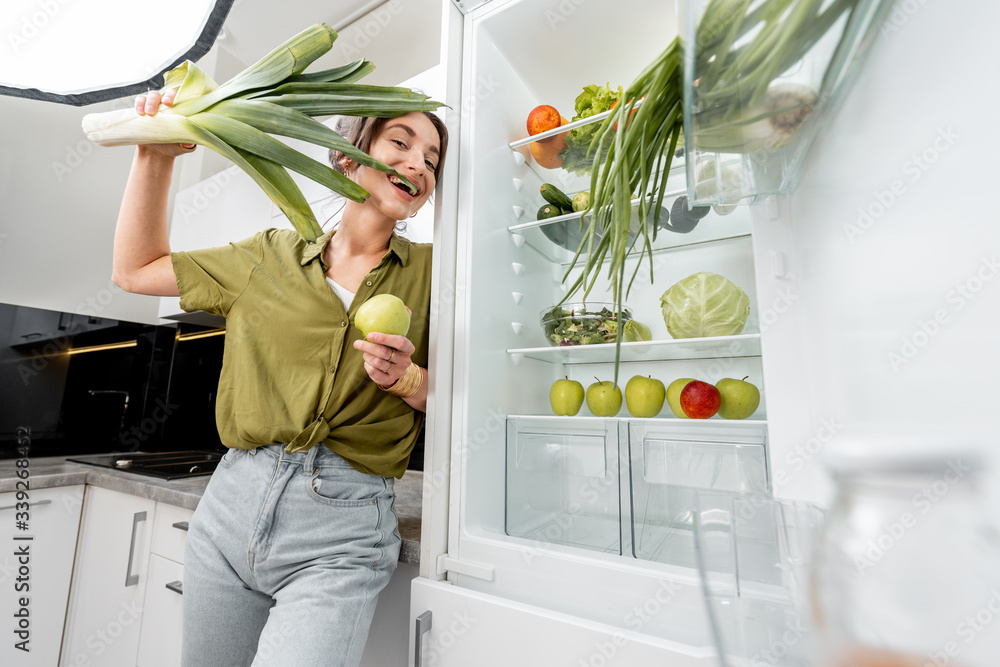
(644, 396)
(674, 396)
(604, 399)
(566, 397)
(383, 313)
(739, 398)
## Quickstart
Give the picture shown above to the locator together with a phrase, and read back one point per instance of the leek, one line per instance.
(274, 96)
(741, 109)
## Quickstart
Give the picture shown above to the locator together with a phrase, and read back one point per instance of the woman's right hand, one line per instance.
(147, 105)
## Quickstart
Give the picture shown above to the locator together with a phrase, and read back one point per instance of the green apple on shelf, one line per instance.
(674, 396)
(644, 396)
(566, 397)
(604, 399)
(740, 398)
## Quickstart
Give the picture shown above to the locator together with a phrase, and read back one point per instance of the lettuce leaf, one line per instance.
(593, 100)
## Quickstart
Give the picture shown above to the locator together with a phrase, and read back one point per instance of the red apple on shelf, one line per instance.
(700, 400)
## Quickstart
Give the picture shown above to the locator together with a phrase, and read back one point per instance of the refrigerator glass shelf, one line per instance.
(716, 347)
(567, 180)
(623, 416)
(558, 239)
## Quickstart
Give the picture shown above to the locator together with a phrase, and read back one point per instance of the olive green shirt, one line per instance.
(290, 373)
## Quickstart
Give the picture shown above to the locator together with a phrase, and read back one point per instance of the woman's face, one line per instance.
(410, 145)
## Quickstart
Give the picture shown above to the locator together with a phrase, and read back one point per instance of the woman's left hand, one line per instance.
(386, 357)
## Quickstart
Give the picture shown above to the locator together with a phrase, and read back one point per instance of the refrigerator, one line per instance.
(572, 540)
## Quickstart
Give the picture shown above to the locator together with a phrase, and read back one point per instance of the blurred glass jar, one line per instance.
(907, 573)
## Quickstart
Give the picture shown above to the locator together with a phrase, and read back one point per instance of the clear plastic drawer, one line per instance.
(682, 476)
(563, 482)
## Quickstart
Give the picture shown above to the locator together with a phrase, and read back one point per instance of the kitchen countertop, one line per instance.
(46, 472)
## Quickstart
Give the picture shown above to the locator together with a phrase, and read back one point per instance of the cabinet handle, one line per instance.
(180, 525)
(423, 626)
(34, 504)
(132, 579)
(176, 587)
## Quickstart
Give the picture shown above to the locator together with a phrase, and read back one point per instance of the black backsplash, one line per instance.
(156, 395)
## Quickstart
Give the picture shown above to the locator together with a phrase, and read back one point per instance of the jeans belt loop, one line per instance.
(308, 463)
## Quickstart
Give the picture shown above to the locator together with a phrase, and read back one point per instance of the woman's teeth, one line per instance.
(402, 186)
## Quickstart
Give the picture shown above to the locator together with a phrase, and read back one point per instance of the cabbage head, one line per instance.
(705, 304)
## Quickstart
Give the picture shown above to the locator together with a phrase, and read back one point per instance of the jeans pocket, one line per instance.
(345, 487)
(230, 457)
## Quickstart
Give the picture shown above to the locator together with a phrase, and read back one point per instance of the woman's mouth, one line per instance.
(402, 187)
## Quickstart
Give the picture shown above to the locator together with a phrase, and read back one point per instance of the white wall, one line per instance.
(60, 197)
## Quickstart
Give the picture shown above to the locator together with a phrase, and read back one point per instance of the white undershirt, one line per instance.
(345, 294)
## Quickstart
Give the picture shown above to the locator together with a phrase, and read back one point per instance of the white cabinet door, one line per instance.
(470, 628)
(35, 568)
(160, 639)
(170, 531)
(387, 637)
(106, 598)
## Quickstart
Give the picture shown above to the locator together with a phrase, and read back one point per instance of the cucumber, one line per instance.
(548, 211)
(556, 197)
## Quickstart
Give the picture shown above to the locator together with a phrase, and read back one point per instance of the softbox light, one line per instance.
(85, 51)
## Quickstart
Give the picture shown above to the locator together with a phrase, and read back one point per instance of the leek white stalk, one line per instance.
(274, 96)
(765, 126)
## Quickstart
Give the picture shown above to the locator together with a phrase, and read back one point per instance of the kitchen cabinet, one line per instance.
(160, 636)
(106, 598)
(34, 325)
(160, 633)
(44, 579)
(388, 640)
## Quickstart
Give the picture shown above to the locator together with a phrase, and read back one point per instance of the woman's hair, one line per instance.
(362, 131)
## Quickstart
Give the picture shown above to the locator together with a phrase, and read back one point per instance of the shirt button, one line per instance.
(369, 283)
(343, 324)
(333, 369)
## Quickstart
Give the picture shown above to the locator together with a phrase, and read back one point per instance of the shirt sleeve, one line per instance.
(211, 279)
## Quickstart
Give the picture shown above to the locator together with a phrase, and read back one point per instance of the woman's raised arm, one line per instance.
(141, 261)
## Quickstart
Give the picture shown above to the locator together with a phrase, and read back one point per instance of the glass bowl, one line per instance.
(590, 323)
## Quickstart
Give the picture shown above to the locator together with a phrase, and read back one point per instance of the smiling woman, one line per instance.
(400, 134)
(319, 421)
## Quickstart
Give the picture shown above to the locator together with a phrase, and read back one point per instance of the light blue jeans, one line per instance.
(286, 555)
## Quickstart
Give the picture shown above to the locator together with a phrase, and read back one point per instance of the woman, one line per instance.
(295, 535)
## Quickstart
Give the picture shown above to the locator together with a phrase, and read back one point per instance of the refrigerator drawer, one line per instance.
(681, 477)
(466, 628)
(562, 484)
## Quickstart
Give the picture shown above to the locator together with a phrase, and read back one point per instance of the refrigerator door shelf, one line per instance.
(729, 161)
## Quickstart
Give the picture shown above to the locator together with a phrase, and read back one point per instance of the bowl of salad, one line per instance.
(591, 323)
